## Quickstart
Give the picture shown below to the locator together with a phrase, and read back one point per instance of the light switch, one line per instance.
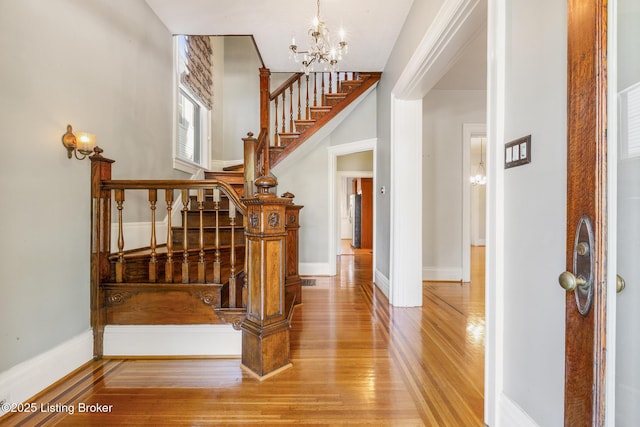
(517, 152)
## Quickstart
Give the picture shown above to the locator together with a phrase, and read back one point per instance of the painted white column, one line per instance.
(406, 203)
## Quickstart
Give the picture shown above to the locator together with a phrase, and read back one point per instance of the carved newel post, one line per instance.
(265, 331)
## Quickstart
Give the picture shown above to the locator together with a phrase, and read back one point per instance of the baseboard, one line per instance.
(314, 269)
(30, 377)
(172, 340)
(382, 282)
(442, 274)
(510, 414)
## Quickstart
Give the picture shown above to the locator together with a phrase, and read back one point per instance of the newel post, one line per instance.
(250, 145)
(265, 331)
(100, 244)
(293, 282)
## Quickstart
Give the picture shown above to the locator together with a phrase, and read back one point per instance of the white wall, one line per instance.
(241, 95)
(534, 88)
(416, 25)
(444, 113)
(217, 112)
(93, 65)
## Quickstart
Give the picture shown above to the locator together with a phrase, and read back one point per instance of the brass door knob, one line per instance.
(569, 282)
(620, 284)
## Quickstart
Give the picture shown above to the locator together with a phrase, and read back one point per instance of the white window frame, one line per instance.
(179, 163)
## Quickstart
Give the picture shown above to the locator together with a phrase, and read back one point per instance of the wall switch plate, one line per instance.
(517, 152)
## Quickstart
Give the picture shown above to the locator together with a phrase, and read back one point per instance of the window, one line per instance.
(189, 128)
(193, 102)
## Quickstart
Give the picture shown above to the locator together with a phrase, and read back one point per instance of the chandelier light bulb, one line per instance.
(320, 50)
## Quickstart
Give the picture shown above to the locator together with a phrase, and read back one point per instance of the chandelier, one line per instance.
(480, 178)
(321, 50)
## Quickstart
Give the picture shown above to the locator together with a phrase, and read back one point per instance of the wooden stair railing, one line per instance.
(304, 103)
(183, 280)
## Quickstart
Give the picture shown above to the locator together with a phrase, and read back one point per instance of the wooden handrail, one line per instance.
(176, 185)
(284, 86)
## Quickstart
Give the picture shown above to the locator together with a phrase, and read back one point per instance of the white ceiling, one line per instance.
(371, 26)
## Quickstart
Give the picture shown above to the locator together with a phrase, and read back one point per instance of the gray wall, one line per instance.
(535, 209)
(307, 178)
(443, 114)
(93, 65)
(415, 26)
(241, 95)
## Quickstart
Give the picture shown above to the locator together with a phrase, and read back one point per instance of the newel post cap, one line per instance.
(264, 184)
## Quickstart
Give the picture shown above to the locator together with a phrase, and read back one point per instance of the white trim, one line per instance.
(469, 130)
(439, 274)
(494, 276)
(382, 282)
(187, 166)
(513, 415)
(334, 232)
(406, 203)
(316, 268)
(456, 23)
(612, 223)
(172, 340)
(28, 378)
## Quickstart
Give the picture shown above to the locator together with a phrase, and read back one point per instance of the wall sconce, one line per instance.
(82, 142)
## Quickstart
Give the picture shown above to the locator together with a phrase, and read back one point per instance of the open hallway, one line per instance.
(356, 361)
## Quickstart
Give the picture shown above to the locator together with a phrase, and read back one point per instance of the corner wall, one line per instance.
(103, 66)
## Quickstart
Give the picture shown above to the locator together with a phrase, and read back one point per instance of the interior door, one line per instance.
(585, 276)
(627, 303)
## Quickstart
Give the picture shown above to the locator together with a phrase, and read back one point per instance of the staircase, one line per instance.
(194, 273)
(303, 104)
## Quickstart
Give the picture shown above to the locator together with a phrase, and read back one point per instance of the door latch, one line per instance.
(581, 280)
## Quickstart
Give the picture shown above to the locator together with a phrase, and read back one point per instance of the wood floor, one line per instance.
(356, 361)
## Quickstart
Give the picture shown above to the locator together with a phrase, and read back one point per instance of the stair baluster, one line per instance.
(216, 262)
(232, 257)
(168, 269)
(299, 107)
(119, 198)
(306, 110)
(315, 89)
(290, 108)
(153, 262)
(276, 142)
(201, 258)
(185, 236)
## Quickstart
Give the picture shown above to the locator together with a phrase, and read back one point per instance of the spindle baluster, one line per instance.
(339, 83)
(322, 99)
(232, 256)
(276, 143)
(168, 269)
(216, 262)
(299, 94)
(315, 89)
(284, 104)
(201, 258)
(119, 196)
(185, 236)
(306, 110)
(330, 82)
(291, 108)
(153, 262)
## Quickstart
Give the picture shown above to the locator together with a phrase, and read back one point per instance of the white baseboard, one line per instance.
(172, 340)
(442, 274)
(510, 414)
(314, 269)
(382, 282)
(30, 377)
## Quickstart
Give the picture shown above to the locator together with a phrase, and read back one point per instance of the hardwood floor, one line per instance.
(356, 361)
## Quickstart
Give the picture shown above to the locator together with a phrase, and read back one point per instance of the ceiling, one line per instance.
(371, 26)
